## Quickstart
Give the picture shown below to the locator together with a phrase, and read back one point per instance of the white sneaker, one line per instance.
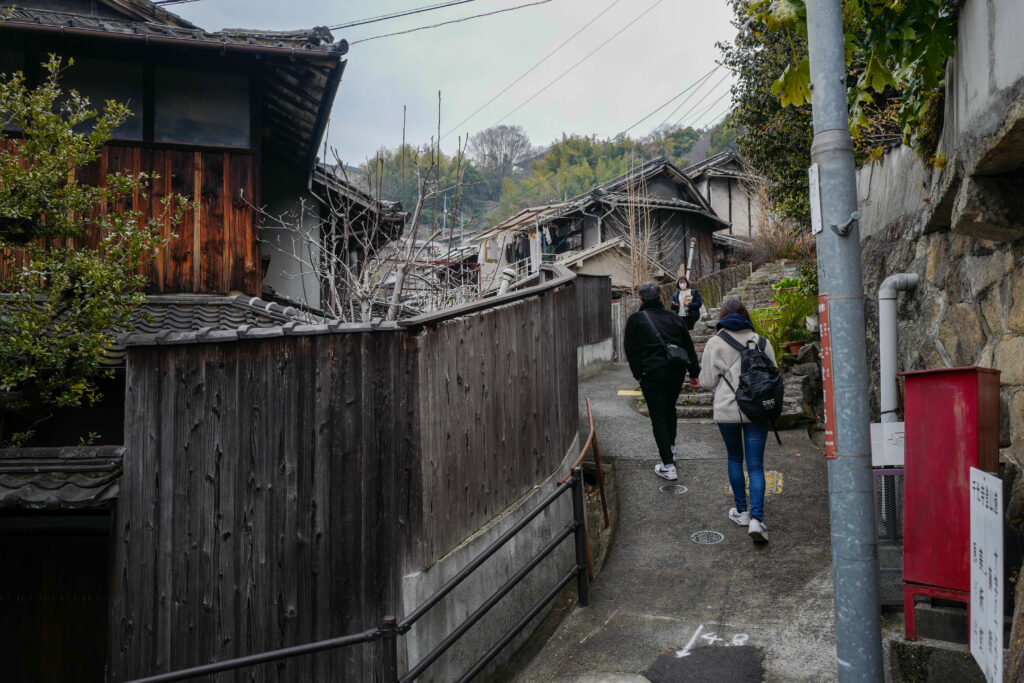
(741, 518)
(757, 530)
(664, 472)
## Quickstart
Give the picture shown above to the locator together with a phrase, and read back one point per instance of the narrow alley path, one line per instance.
(666, 608)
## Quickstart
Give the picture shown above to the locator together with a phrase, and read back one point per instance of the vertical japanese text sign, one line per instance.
(987, 573)
(826, 376)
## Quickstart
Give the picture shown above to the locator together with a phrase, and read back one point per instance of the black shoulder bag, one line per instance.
(676, 354)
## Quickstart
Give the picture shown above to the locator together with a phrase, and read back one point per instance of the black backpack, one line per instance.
(760, 392)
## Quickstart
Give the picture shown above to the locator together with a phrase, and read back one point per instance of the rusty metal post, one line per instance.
(579, 515)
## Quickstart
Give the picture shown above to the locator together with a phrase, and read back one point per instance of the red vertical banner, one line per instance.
(826, 376)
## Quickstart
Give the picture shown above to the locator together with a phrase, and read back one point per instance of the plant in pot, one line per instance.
(795, 304)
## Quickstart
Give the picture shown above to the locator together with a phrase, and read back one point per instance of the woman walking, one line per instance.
(686, 302)
(720, 373)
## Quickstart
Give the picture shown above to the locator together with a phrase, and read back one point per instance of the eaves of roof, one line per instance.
(303, 69)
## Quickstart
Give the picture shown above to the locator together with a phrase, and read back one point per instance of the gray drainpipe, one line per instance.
(507, 276)
(600, 236)
(887, 333)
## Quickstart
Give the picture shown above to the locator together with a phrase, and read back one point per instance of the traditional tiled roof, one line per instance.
(163, 319)
(621, 190)
(301, 69)
(59, 478)
(718, 165)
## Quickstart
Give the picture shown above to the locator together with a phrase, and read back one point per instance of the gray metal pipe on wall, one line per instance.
(887, 337)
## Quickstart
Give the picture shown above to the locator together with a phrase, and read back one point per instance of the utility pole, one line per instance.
(841, 306)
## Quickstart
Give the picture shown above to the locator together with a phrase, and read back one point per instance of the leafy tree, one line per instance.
(774, 139)
(63, 300)
(497, 151)
(894, 51)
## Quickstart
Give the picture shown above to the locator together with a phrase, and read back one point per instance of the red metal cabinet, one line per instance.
(952, 424)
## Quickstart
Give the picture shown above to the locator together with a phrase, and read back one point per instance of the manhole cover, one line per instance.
(673, 488)
(707, 537)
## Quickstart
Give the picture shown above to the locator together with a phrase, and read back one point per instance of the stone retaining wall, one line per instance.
(961, 228)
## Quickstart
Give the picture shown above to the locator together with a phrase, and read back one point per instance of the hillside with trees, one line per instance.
(500, 171)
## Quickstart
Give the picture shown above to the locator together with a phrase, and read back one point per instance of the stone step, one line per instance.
(701, 398)
(694, 412)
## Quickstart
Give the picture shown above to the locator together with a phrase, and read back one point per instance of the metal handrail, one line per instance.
(390, 629)
(591, 444)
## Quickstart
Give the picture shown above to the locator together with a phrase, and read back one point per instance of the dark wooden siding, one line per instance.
(262, 501)
(498, 411)
(215, 250)
(274, 491)
(593, 308)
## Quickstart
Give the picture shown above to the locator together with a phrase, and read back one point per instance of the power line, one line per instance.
(172, 2)
(585, 58)
(672, 99)
(681, 105)
(530, 70)
(706, 95)
(384, 17)
(452, 21)
(700, 117)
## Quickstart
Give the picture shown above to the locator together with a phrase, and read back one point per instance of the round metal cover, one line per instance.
(673, 488)
(707, 537)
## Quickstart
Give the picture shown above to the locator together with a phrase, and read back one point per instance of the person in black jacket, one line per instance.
(686, 301)
(648, 331)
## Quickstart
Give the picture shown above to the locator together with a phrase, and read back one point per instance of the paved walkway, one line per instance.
(667, 609)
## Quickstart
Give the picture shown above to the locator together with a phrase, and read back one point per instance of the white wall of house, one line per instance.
(286, 274)
(732, 202)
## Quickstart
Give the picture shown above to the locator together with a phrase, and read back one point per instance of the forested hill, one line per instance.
(502, 172)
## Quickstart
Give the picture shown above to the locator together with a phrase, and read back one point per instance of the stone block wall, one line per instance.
(960, 227)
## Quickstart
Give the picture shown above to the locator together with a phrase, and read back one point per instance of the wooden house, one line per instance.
(731, 187)
(232, 120)
(655, 198)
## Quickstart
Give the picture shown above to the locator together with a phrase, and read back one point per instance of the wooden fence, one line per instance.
(276, 489)
(593, 298)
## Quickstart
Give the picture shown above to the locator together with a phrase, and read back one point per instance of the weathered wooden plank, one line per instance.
(212, 235)
(179, 253)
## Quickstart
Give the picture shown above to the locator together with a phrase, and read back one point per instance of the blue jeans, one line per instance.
(749, 439)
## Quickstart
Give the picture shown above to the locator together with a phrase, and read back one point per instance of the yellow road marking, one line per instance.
(625, 392)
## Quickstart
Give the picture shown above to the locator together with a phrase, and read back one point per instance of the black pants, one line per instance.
(661, 389)
(690, 321)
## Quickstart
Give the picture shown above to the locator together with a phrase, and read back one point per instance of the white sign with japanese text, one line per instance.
(815, 198)
(987, 573)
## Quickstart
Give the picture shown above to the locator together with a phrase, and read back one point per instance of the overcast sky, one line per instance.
(667, 49)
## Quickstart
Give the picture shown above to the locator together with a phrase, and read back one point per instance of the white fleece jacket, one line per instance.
(721, 360)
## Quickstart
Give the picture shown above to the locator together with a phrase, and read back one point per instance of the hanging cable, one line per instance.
(452, 21)
(396, 15)
(531, 69)
(673, 98)
(585, 58)
(706, 95)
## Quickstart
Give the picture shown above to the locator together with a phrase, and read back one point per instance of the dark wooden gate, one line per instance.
(54, 581)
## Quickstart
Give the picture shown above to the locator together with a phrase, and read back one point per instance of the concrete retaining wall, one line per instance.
(464, 600)
(592, 357)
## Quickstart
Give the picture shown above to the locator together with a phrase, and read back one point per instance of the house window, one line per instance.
(92, 79)
(201, 107)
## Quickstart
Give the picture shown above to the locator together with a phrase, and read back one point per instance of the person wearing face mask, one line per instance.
(686, 302)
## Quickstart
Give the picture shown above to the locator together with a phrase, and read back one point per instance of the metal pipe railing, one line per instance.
(272, 655)
(405, 624)
(391, 628)
(483, 609)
